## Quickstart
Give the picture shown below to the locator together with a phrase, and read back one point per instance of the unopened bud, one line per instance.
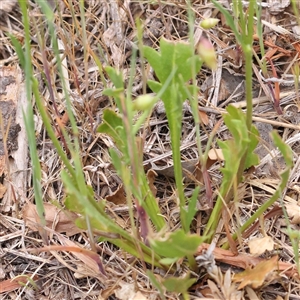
(207, 53)
(144, 102)
(209, 23)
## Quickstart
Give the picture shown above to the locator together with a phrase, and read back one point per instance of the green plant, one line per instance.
(127, 159)
(25, 60)
(245, 135)
(80, 197)
(240, 146)
(175, 64)
(170, 66)
(177, 58)
(288, 158)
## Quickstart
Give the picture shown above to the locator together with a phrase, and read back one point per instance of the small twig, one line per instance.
(285, 82)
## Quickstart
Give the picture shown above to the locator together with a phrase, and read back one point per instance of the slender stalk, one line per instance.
(29, 122)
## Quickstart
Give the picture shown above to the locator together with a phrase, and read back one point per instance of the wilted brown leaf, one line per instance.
(90, 258)
(245, 260)
(56, 219)
(259, 245)
(198, 168)
(118, 197)
(203, 117)
(216, 154)
(293, 211)
(128, 291)
(256, 276)
(15, 283)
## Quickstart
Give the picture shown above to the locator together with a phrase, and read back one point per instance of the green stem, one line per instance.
(29, 121)
(192, 262)
(185, 296)
(248, 68)
(258, 213)
(50, 131)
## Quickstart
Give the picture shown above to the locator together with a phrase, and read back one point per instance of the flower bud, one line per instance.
(144, 102)
(209, 23)
(207, 53)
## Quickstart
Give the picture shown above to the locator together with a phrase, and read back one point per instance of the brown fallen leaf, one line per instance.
(128, 291)
(90, 258)
(15, 283)
(216, 154)
(56, 218)
(256, 277)
(203, 117)
(258, 246)
(198, 168)
(293, 211)
(118, 197)
(245, 261)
